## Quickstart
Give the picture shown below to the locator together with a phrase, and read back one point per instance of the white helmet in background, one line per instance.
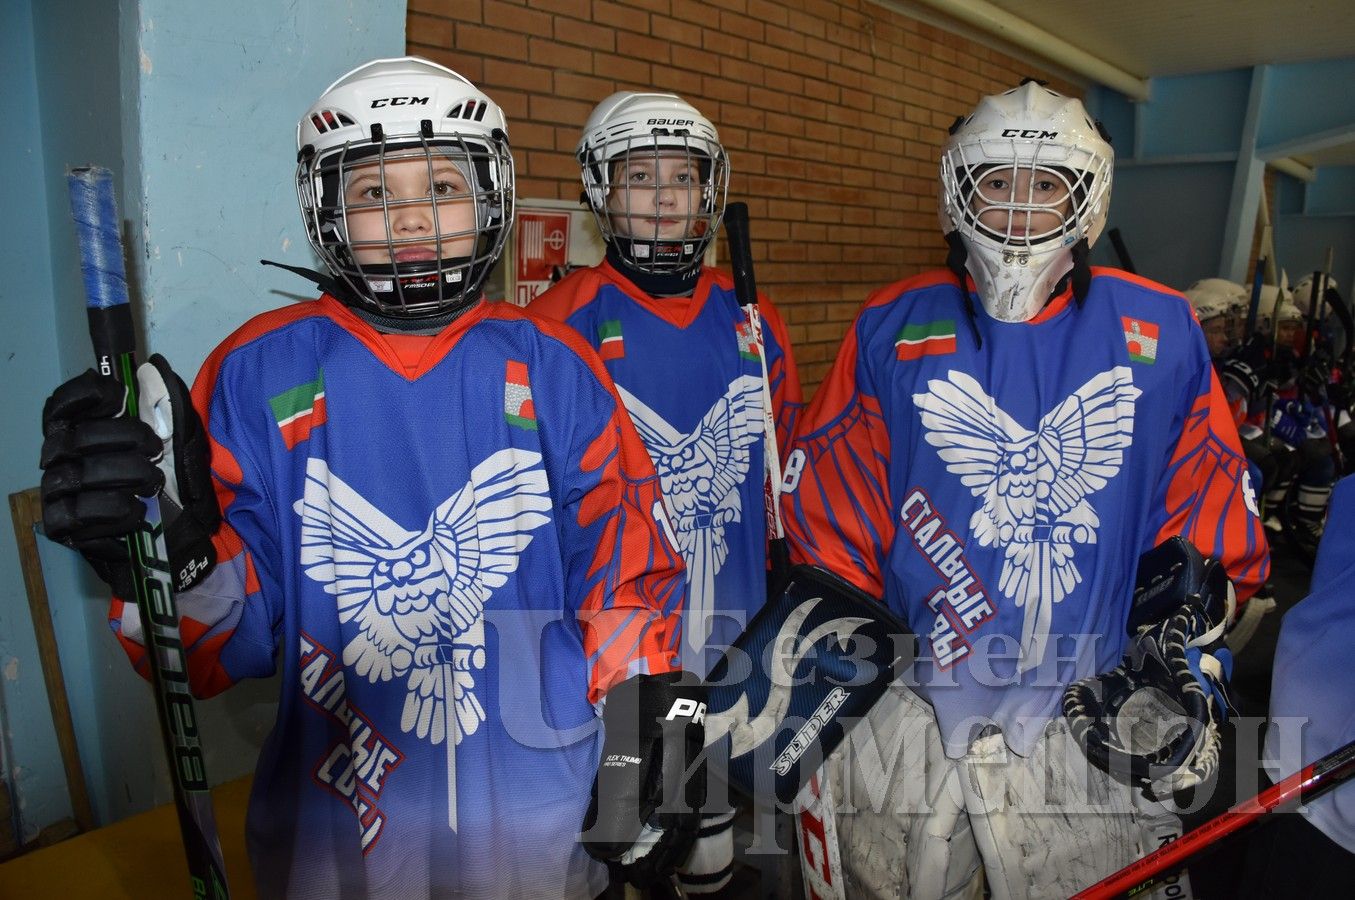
(1237, 297)
(1303, 291)
(1024, 178)
(1265, 307)
(620, 153)
(401, 252)
(1209, 304)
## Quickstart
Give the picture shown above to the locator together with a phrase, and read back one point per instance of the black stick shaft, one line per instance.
(113, 337)
(745, 290)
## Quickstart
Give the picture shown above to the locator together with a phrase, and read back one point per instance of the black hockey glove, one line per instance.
(97, 462)
(1153, 720)
(645, 809)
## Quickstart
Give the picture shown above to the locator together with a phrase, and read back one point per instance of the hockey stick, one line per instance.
(111, 331)
(1304, 786)
(1254, 305)
(745, 289)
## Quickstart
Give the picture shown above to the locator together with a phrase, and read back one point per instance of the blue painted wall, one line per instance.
(194, 105)
(1176, 188)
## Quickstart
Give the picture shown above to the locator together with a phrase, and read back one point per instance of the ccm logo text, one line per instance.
(1029, 133)
(399, 101)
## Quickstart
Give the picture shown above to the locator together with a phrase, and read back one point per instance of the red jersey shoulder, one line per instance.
(553, 329)
(562, 299)
(257, 328)
(1171, 302)
(892, 292)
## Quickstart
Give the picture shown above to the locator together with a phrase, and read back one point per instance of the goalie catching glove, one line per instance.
(1153, 720)
(646, 805)
(97, 463)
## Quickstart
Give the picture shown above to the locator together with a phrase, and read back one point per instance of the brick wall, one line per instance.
(833, 113)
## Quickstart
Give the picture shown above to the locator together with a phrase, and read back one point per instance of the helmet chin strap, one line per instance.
(956, 257)
(1081, 273)
(388, 324)
(655, 284)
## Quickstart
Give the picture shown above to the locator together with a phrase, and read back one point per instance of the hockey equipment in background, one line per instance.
(640, 153)
(645, 807)
(1302, 787)
(1121, 251)
(97, 463)
(1254, 306)
(113, 336)
(809, 666)
(405, 181)
(1025, 181)
(745, 289)
(1153, 720)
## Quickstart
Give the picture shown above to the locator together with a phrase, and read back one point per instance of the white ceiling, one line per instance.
(1151, 38)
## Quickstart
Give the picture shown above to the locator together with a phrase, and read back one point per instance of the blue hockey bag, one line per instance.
(808, 667)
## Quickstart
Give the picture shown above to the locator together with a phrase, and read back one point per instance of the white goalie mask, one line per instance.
(656, 178)
(405, 181)
(1024, 178)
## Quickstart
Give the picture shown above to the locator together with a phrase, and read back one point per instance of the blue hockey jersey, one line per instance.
(451, 566)
(996, 483)
(689, 374)
(1313, 683)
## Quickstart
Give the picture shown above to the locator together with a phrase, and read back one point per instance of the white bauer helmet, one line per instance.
(627, 129)
(385, 112)
(1029, 129)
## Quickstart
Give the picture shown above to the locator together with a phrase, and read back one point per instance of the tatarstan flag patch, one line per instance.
(926, 339)
(517, 397)
(1140, 338)
(611, 345)
(747, 346)
(300, 410)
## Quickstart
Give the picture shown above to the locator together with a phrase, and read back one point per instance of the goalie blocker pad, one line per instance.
(808, 667)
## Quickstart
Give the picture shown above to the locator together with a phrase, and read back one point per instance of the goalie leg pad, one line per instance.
(900, 807)
(1049, 825)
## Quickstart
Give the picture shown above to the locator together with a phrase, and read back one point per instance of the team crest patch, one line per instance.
(1140, 338)
(517, 397)
(747, 345)
(925, 339)
(299, 410)
(611, 345)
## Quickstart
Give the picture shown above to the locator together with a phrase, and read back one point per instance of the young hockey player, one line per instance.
(1311, 851)
(1215, 307)
(434, 516)
(697, 373)
(995, 447)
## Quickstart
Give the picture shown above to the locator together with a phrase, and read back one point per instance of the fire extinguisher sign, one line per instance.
(543, 251)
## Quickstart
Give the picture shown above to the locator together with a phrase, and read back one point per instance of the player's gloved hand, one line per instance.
(1153, 720)
(97, 462)
(1289, 421)
(645, 808)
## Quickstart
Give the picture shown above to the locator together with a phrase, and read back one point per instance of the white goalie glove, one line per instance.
(1152, 721)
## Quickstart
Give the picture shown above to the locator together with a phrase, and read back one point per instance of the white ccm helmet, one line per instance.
(1032, 135)
(374, 129)
(627, 129)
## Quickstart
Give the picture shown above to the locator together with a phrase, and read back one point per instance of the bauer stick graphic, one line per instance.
(1304, 786)
(110, 329)
(745, 289)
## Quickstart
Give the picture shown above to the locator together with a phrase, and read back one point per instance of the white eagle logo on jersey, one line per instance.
(1034, 485)
(700, 474)
(417, 599)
